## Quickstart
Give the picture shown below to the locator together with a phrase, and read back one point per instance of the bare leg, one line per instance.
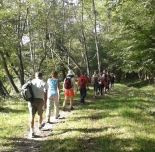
(65, 101)
(71, 101)
(32, 123)
(40, 119)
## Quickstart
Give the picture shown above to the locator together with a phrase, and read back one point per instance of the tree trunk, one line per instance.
(85, 46)
(118, 76)
(7, 73)
(3, 91)
(95, 35)
(20, 28)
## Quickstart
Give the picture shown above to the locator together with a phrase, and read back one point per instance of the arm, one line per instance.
(45, 95)
(77, 83)
(45, 99)
(63, 86)
(58, 90)
(87, 86)
(73, 83)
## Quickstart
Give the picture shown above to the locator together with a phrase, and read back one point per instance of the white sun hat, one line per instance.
(70, 72)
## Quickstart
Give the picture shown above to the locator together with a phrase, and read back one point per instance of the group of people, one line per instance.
(46, 92)
(102, 82)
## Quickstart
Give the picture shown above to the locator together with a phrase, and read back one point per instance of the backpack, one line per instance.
(26, 91)
(82, 83)
(67, 83)
(95, 79)
(100, 81)
(106, 77)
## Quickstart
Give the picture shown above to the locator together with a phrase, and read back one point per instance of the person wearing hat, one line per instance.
(69, 89)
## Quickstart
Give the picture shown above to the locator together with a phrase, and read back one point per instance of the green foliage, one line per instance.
(125, 36)
(134, 32)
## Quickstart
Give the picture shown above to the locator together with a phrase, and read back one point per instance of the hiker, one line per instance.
(87, 81)
(53, 95)
(94, 82)
(82, 85)
(105, 83)
(111, 81)
(69, 89)
(39, 88)
(100, 85)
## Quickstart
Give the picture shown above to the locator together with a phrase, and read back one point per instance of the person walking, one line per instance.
(53, 94)
(111, 81)
(82, 85)
(94, 81)
(69, 89)
(39, 88)
(100, 85)
(105, 83)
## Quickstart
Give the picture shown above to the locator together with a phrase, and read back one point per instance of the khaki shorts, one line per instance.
(36, 105)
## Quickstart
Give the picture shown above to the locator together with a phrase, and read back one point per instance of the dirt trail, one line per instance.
(27, 144)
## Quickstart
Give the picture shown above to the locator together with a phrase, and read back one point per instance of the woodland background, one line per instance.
(46, 35)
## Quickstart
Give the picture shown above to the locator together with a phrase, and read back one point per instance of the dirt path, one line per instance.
(27, 144)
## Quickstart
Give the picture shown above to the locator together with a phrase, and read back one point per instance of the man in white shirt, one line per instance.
(39, 88)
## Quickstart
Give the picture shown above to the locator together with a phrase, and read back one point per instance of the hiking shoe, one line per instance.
(41, 126)
(83, 102)
(63, 108)
(71, 108)
(57, 116)
(48, 121)
(31, 135)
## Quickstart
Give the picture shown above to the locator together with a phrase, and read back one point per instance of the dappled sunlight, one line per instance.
(118, 121)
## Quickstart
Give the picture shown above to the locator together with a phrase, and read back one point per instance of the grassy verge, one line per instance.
(115, 122)
(13, 122)
(118, 121)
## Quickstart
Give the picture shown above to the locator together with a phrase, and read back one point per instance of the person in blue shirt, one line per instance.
(53, 94)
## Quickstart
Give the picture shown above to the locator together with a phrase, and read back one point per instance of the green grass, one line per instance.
(116, 122)
(13, 122)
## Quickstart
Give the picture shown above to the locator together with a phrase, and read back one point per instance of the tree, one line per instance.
(134, 34)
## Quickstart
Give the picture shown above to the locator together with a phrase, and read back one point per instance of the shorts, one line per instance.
(69, 92)
(36, 105)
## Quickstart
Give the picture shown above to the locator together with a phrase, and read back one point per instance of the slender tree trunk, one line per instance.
(19, 47)
(7, 73)
(95, 35)
(12, 65)
(44, 57)
(85, 46)
(3, 91)
(118, 76)
(20, 28)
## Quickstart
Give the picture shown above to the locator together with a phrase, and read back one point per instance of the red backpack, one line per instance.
(82, 82)
(67, 83)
